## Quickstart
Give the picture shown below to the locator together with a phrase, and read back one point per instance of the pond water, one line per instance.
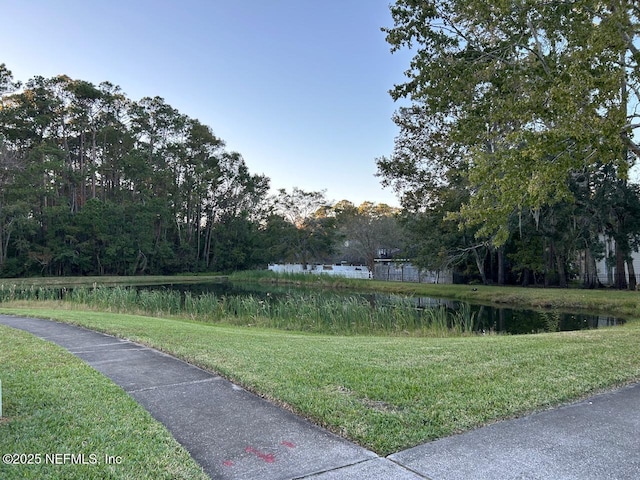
(513, 321)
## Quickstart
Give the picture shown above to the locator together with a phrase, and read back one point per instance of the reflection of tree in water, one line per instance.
(551, 320)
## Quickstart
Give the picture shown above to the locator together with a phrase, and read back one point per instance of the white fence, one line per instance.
(387, 271)
(349, 271)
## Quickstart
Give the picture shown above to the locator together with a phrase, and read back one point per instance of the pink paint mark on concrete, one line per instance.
(288, 444)
(267, 457)
(228, 463)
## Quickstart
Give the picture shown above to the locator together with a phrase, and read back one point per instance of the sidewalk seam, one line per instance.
(192, 382)
(407, 468)
(336, 468)
(75, 352)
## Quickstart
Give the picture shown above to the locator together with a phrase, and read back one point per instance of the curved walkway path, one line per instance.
(234, 434)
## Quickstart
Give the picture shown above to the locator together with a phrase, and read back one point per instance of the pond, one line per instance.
(514, 321)
(314, 310)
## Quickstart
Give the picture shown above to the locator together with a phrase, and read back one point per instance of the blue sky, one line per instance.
(298, 87)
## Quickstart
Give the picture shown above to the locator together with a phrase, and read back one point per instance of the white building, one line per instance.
(606, 270)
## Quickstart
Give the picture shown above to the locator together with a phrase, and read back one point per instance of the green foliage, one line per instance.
(368, 232)
(517, 99)
(308, 234)
(93, 183)
(515, 90)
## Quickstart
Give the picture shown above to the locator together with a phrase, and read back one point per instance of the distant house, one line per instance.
(606, 269)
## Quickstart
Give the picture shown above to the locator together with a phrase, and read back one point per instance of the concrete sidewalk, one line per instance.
(234, 434)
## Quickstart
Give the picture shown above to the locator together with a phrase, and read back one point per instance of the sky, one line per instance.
(298, 87)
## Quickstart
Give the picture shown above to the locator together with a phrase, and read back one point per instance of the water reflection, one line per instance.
(510, 320)
(516, 321)
(485, 318)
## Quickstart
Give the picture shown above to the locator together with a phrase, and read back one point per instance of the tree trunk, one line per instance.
(590, 275)
(371, 265)
(3, 251)
(480, 265)
(501, 276)
(4, 241)
(83, 173)
(93, 163)
(620, 280)
(562, 273)
(632, 274)
(207, 244)
(198, 231)
(548, 261)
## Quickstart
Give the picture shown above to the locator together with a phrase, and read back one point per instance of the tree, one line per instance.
(367, 231)
(10, 163)
(94, 183)
(13, 210)
(276, 236)
(435, 241)
(517, 95)
(232, 193)
(299, 205)
(114, 142)
(7, 83)
(314, 235)
(618, 206)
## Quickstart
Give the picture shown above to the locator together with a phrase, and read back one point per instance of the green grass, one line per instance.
(388, 393)
(53, 403)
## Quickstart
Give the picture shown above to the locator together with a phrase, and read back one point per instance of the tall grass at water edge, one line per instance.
(348, 315)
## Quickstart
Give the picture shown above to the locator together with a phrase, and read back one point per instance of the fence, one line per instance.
(388, 271)
(399, 272)
(607, 280)
(348, 271)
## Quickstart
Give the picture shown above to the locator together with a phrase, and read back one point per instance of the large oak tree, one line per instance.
(518, 94)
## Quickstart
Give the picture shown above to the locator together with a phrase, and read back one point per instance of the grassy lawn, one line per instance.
(386, 393)
(53, 403)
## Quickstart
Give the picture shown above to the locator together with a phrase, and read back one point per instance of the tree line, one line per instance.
(514, 151)
(94, 183)
(512, 162)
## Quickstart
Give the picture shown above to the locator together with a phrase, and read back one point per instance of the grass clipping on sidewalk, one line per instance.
(389, 393)
(56, 405)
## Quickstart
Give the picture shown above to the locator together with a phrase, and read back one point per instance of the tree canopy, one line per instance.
(92, 182)
(95, 183)
(517, 96)
(522, 119)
